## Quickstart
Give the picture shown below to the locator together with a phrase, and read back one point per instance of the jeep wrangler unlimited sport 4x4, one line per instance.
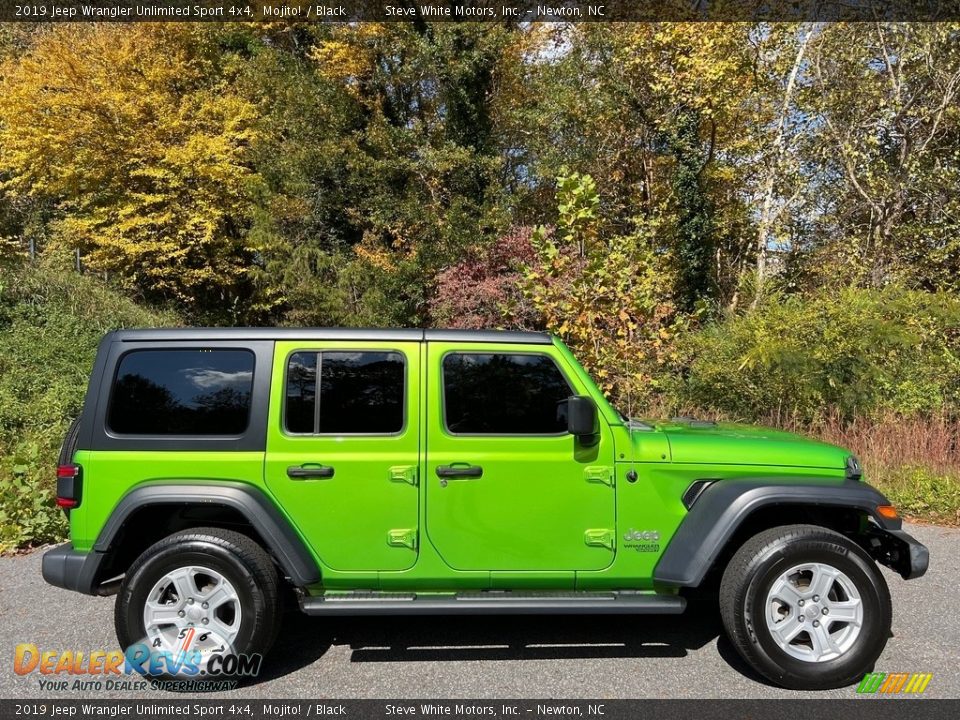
(391, 472)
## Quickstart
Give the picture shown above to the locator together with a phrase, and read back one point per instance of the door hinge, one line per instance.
(599, 474)
(600, 537)
(403, 537)
(404, 474)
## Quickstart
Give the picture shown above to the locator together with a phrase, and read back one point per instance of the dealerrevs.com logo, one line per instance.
(142, 665)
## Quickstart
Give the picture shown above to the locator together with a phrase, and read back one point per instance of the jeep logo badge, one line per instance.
(648, 535)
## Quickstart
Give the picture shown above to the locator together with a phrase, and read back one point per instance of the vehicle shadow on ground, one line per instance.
(303, 640)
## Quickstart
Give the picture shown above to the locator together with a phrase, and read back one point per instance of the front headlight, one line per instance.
(854, 470)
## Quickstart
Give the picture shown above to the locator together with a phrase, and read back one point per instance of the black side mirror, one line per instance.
(582, 417)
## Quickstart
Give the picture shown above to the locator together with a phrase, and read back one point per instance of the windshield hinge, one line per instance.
(600, 537)
(599, 474)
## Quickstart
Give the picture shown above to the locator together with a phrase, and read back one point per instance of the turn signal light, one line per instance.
(887, 511)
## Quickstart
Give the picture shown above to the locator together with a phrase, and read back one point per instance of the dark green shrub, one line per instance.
(854, 354)
(51, 320)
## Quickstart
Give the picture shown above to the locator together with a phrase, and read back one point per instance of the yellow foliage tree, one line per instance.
(607, 297)
(134, 136)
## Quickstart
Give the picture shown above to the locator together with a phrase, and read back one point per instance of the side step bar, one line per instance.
(494, 603)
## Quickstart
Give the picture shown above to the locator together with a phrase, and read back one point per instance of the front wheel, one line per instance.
(194, 595)
(805, 607)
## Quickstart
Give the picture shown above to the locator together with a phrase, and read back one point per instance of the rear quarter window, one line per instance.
(192, 392)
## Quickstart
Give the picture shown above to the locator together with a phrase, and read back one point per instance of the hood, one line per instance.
(695, 441)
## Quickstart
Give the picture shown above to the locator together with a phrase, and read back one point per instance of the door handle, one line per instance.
(459, 471)
(304, 472)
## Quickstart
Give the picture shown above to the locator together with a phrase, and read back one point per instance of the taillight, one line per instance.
(68, 486)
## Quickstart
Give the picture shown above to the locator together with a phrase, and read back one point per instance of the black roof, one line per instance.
(293, 333)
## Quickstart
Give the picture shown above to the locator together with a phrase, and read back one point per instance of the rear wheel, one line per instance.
(805, 607)
(196, 594)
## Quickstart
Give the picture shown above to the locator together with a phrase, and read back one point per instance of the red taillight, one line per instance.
(68, 486)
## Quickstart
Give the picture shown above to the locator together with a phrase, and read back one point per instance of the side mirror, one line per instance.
(582, 417)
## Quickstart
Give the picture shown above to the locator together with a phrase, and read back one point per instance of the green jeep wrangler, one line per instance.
(402, 472)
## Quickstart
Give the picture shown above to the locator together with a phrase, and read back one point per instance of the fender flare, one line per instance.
(720, 509)
(251, 502)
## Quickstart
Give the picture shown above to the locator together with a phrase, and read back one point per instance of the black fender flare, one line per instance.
(281, 539)
(720, 509)
(68, 568)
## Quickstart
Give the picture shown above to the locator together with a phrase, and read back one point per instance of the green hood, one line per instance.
(694, 441)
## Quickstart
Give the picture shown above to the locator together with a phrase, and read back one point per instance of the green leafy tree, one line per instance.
(858, 354)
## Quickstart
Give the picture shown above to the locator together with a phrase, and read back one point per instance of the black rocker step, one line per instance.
(494, 602)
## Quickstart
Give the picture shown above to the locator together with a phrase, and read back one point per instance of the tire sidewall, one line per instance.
(851, 665)
(253, 622)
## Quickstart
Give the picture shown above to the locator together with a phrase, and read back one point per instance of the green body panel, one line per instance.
(549, 512)
(356, 520)
(729, 444)
(109, 475)
(653, 504)
(537, 499)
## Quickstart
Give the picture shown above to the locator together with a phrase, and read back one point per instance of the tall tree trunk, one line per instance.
(767, 214)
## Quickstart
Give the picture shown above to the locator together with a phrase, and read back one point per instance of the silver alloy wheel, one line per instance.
(192, 608)
(814, 612)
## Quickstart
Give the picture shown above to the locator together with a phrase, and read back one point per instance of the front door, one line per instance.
(507, 487)
(344, 447)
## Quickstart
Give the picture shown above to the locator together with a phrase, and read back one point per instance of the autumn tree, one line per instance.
(381, 161)
(135, 140)
(485, 288)
(887, 97)
(607, 296)
(337, 174)
(660, 114)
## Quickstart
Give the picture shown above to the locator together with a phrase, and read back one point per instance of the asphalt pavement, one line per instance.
(683, 656)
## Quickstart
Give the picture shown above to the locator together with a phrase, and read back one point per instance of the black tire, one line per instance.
(239, 559)
(743, 597)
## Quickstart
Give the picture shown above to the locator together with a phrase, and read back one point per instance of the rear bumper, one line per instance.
(72, 570)
(899, 551)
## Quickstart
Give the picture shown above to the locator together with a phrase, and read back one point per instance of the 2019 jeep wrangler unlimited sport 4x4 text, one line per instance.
(440, 471)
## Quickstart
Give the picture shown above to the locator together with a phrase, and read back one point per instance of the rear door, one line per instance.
(344, 446)
(508, 489)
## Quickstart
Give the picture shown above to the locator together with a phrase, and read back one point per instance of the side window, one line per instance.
(301, 401)
(504, 394)
(343, 392)
(182, 392)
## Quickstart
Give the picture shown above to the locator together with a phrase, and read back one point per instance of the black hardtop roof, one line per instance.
(293, 333)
